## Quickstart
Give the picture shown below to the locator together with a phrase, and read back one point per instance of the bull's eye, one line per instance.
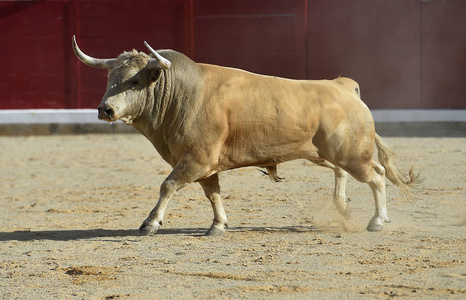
(134, 83)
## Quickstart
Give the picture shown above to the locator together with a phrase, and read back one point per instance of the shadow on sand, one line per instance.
(70, 235)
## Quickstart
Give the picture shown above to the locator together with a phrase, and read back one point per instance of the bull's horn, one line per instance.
(159, 62)
(91, 61)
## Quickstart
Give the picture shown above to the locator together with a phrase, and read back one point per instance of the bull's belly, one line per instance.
(268, 155)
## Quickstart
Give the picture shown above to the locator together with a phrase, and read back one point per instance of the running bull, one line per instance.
(204, 119)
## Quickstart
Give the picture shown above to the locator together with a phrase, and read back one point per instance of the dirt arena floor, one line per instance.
(71, 204)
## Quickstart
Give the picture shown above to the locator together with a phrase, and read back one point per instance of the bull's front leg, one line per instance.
(212, 191)
(186, 171)
(168, 188)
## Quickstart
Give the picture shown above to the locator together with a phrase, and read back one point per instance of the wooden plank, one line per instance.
(376, 43)
(444, 54)
(266, 37)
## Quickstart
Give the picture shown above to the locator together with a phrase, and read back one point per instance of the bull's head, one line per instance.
(131, 77)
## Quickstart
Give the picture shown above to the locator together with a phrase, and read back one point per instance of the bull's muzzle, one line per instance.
(106, 112)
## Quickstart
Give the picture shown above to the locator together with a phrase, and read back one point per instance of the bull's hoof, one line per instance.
(376, 223)
(347, 214)
(343, 207)
(374, 227)
(215, 231)
(147, 229)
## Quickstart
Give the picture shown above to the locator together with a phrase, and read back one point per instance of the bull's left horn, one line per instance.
(91, 61)
(159, 62)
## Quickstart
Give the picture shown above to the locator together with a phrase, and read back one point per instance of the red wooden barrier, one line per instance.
(404, 54)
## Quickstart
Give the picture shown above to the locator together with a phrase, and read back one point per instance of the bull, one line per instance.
(204, 119)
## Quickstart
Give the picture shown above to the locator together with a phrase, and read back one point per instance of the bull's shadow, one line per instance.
(71, 235)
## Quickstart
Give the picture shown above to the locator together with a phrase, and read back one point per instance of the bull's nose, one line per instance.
(106, 112)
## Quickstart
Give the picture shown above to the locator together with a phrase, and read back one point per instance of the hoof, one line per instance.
(374, 228)
(147, 229)
(215, 231)
(343, 207)
(347, 214)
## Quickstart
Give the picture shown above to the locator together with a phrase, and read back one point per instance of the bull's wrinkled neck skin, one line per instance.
(171, 103)
(154, 107)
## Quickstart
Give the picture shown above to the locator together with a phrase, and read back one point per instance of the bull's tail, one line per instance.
(402, 180)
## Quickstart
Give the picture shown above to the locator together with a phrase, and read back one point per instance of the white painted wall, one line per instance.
(89, 116)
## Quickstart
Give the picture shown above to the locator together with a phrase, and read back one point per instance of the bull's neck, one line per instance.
(154, 109)
(173, 104)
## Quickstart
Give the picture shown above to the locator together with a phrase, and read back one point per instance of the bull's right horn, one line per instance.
(91, 61)
(159, 61)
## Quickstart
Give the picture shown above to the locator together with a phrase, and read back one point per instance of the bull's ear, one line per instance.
(154, 75)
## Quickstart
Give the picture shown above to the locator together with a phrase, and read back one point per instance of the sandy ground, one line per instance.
(70, 207)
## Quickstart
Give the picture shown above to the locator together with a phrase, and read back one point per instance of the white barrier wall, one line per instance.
(89, 116)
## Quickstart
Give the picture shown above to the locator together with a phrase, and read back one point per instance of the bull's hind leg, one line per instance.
(377, 185)
(212, 191)
(339, 195)
(373, 174)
